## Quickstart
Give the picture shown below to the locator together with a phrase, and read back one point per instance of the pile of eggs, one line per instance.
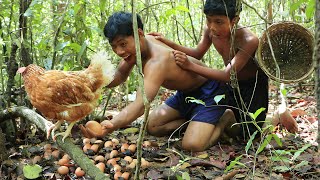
(113, 158)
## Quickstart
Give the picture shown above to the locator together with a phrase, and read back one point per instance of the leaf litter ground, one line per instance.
(297, 158)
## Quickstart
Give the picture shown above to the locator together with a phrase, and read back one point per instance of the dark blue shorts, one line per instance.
(197, 112)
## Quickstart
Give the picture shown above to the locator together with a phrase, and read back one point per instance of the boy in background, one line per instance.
(237, 46)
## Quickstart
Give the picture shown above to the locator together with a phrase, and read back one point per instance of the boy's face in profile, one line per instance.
(124, 47)
(219, 25)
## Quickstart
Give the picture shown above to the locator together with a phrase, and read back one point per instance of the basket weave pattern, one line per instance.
(293, 49)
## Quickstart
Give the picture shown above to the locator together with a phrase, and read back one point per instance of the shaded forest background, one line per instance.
(63, 34)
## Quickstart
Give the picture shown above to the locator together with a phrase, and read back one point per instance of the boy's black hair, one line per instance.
(221, 7)
(120, 24)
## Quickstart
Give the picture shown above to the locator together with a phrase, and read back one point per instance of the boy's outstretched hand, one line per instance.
(182, 59)
(94, 129)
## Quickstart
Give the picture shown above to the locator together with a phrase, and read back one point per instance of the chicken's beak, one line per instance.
(21, 70)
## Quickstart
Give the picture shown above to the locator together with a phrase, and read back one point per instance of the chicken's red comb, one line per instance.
(21, 70)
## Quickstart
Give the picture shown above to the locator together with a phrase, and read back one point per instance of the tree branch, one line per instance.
(67, 146)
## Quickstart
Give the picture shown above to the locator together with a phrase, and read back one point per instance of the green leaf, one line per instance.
(130, 130)
(265, 143)
(233, 163)
(284, 92)
(302, 163)
(296, 5)
(102, 5)
(28, 13)
(256, 114)
(281, 168)
(185, 176)
(182, 8)
(280, 159)
(299, 151)
(277, 139)
(82, 49)
(32, 171)
(281, 152)
(62, 45)
(250, 141)
(310, 9)
(194, 100)
(75, 46)
(218, 98)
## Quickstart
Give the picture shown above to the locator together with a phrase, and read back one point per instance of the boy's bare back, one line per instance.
(175, 77)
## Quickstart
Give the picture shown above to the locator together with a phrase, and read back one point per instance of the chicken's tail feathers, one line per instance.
(102, 60)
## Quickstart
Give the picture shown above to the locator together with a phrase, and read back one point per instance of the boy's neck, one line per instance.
(145, 50)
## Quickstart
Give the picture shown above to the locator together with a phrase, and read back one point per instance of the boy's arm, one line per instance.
(238, 61)
(153, 79)
(198, 52)
(122, 73)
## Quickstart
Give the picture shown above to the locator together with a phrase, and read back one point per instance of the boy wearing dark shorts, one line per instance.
(160, 69)
(237, 46)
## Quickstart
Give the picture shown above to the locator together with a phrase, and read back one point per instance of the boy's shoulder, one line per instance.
(245, 35)
(244, 32)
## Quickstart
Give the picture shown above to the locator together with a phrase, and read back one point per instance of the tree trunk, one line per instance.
(317, 60)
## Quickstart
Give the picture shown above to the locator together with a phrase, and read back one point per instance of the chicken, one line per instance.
(283, 116)
(67, 95)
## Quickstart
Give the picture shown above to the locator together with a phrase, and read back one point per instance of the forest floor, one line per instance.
(291, 156)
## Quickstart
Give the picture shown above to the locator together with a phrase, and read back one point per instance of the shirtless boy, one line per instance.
(160, 69)
(237, 46)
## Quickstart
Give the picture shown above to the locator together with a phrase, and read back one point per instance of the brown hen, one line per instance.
(67, 95)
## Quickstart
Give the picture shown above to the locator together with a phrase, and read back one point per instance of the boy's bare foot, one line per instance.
(228, 123)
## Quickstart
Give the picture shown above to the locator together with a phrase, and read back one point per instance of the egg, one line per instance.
(63, 170)
(56, 153)
(132, 165)
(101, 166)
(117, 175)
(86, 141)
(125, 175)
(47, 154)
(146, 143)
(116, 168)
(79, 172)
(99, 158)
(115, 141)
(128, 159)
(63, 161)
(113, 153)
(47, 147)
(108, 144)
(94, 127)
(36, 159)
(124, 147)
(132, 148)
(145, 164)
(66, 156)
(112, 161)
(86, 147)
(95, 147)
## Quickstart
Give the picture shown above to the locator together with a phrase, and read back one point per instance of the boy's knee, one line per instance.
(193, 146)
(152, 129)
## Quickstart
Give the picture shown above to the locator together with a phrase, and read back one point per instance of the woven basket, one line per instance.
(292, 45)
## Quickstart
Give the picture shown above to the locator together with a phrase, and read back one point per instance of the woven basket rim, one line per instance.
(262, 42)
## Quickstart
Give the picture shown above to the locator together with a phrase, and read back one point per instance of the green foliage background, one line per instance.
(62, 34)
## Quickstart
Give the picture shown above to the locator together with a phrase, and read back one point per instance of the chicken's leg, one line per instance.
(66, 133)
(53, 128)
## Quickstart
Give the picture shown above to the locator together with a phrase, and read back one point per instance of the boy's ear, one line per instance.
(140, 32)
